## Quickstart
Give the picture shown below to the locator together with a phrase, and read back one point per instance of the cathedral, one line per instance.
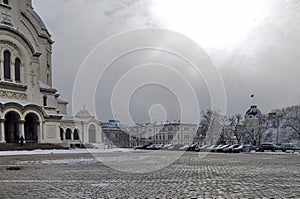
(29, 106)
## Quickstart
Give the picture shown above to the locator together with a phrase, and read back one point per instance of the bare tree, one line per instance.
(235, 123)
(204, 124)
(292, 115)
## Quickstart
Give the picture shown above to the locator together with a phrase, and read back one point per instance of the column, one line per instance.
(12, 71)
(22, 129)
(72, 135)
(40, 132)
(82, 133)
(22, 73)
(64, 135)
(43, 130)
(1, 70)
(2, 133)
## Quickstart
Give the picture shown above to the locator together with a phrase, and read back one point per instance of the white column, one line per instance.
(1, 69)
(64, 135)
(82, 133)
(40, 132)
(72, 135)
(12, 71)
(2, 133)
(22, 73)
(22, 129)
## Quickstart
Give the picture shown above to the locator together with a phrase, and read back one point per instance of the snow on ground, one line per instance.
(59, 161)
(95, 151)
(72, 151)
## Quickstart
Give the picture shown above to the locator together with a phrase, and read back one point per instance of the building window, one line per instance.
(68, 134)
(5, 2)
(92, 134)
(7, 56)
(45, 100)
(61, 134)
(18, 70)
(76, 134)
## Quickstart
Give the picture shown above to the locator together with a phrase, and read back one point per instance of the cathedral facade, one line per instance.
(29, 105)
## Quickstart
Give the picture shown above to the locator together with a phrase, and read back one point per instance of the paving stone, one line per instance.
(215, 176)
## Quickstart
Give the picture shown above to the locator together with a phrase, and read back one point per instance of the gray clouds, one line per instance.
(264, 62)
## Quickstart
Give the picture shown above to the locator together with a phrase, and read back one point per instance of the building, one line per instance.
(164, 133)
(114, 134)
(253, 116)
(251, 131)
(29, 105)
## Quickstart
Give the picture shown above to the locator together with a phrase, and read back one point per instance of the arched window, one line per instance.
(76, 134)
(5, 2)
(7, 56)
(92, 134)
(68, 134)
(61, 134)
(18, 70)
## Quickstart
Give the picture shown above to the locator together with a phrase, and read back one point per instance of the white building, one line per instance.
(166, 133)
(29, 105)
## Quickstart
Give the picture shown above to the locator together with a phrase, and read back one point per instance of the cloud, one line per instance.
(264, 62)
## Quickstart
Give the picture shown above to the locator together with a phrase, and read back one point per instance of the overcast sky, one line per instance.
(254, 44)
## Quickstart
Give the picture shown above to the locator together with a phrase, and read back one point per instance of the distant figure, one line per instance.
(21, 140)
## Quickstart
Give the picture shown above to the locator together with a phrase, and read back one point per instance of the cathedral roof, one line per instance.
(61, 101)
(84, 114)
(253, 111)
(38, 18)
(46, 87)
(42, 29)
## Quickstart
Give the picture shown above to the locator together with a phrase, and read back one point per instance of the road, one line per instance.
(190, 176)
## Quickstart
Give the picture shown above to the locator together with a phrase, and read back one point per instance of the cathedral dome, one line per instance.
(85, 114)
(253, 111)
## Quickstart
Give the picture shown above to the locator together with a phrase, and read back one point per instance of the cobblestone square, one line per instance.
(211, 176)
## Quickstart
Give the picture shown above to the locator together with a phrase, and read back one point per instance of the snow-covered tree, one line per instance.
(292, 116)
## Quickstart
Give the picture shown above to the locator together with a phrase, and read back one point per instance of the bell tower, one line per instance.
(25, 56)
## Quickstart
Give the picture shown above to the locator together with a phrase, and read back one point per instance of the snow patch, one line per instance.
(69, 161)
(73, 151)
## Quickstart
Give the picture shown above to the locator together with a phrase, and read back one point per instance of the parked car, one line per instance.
(211, 148)
(192, 147)
(141, 147)
(215, 149)
(184, 148)
(230, 148)
(288, 147)
(167, 146)
(154, 147)
(238, 149)
(175, 147)
(220, 149)
(200, 148)
(268, 146)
